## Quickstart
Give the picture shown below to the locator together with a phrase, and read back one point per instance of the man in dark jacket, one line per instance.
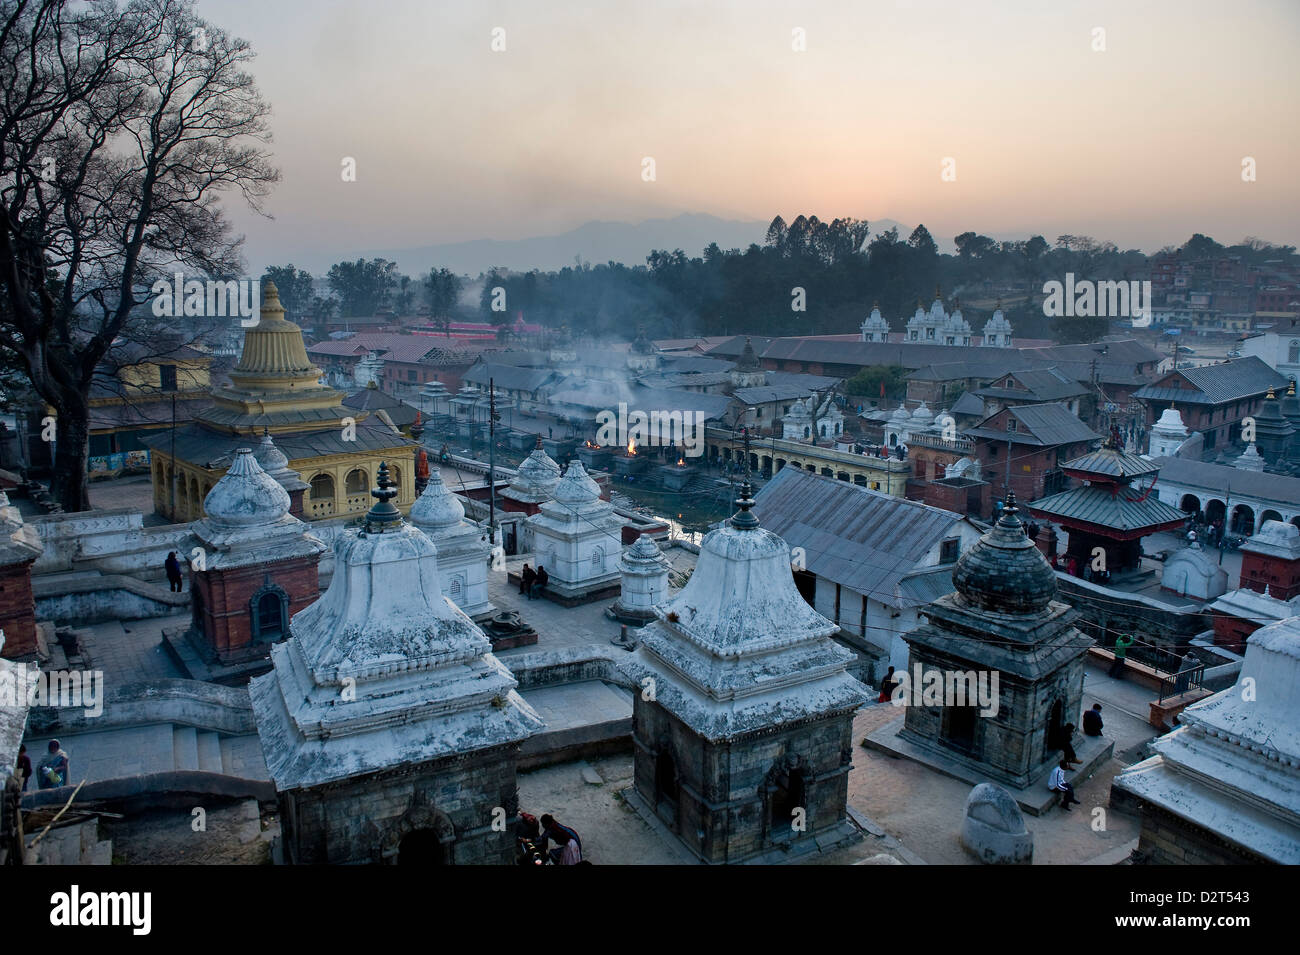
(173, 568)
(1092, 721)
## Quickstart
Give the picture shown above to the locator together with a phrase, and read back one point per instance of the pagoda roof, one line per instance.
(214, 450)
(1112, 463)
(1101, 507)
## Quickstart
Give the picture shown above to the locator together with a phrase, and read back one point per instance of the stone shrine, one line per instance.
(390, 730)
(1002, 620)
(742, 733)
(577, 537)
(463, 554)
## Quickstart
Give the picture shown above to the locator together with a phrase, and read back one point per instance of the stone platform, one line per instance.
(197, 662)
(560, 594)
(1035, 799)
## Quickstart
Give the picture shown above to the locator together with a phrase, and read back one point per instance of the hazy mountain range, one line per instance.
(593, 242)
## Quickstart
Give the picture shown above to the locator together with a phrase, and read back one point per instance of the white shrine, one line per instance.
(1224, 787)
(1167, 435)
(750, 725)
(535, 480)
(462, 552)
(644, 571)
(875, 328)
(997, 330)
(577, 538)
(390, 730)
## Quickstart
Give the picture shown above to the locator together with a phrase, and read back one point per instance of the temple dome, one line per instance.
(246, 495)
(437, 508)
(536, 478)
(1005, 572)
(577, 487)
(268, 456)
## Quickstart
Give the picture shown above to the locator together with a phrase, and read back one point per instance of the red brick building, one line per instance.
(1023, 448)
(256, 568)
(1271, 559)
(19, 548)
(1212, 399)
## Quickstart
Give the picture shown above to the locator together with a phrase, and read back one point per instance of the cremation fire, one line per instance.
(681, 462)
(631, 448)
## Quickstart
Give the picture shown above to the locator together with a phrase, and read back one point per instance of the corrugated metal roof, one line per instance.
(200, 446)
(1097, 505)
(1221, 480)
(508, 377)
(1214, 384)
(1047, 425)
(853, 536)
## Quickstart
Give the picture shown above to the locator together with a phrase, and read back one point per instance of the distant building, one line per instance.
(1022, 448)
(1212, 399)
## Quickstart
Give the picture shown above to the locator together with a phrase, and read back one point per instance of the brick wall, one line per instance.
(17, 610)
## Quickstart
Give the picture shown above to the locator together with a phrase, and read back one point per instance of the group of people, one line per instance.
(1092, 725)
(52, 771)
(532, 583)
(535, 835)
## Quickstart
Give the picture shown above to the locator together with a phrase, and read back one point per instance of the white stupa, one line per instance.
(536, 479)
(577, 538)
(462, 552)
(796, 425)
(644, 582)
(898, 427)
(1167, 435)
(1231, 770)
(247, 521)
(276, 463)
(1250, 459)
(383, 672)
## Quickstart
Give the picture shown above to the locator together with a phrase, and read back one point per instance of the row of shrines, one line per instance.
(392, 732)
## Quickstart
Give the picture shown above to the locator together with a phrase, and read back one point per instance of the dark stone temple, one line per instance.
(1002, 622)
(742, 730)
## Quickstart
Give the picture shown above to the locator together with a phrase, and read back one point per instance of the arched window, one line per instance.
(357, 482)
(394, 475)
(1293, 353)
(322, 488)
(455, 588)
(269, 610)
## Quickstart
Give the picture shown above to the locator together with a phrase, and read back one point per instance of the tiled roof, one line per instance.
(1223, 481)
(859, 538)
(508, 377)
(208, 449)
(1114, 463)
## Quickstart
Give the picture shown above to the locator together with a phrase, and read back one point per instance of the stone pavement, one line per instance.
(923, 809)
(130, 651)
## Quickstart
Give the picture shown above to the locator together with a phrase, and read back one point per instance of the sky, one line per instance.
(1141, 142)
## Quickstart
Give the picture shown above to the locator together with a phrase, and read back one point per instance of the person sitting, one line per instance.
(568, 847)
(539, 583)
(887, 687)
(526, 578)
(1092, 721)
(1067, 748)
(1056, 782)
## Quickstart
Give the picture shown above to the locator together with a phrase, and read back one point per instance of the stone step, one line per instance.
(209, 747)
(185, 747)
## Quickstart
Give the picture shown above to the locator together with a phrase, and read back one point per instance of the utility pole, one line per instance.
(173, 460)
(492, 457)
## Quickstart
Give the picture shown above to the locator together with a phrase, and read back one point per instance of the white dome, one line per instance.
(577, 487)
(246, 495)
(437, 508)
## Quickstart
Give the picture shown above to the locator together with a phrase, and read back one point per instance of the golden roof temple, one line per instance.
(276, 391)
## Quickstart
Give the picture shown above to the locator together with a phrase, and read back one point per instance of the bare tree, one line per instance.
(121, 127)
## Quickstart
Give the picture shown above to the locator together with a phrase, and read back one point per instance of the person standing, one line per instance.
(53, 771)
(887, 687)
(526, 578)
(1122, 643)
(24, 768)
(568, 850)
(173, 568)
